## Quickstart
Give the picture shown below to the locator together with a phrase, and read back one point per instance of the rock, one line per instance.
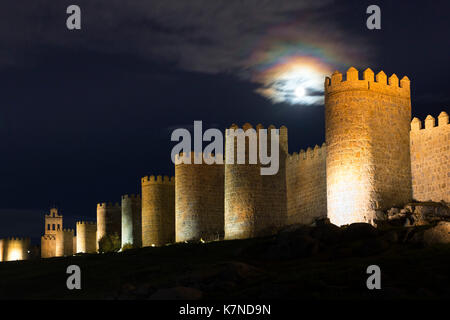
(437, 234)
(177, 293)
(397, 220)
(442, 211)
(321, 221)
(393, 211)
(327, 233)
(397, 216)
(380, 215)
(358, 231)
(424, 210)
(429, 213)
(408, 222)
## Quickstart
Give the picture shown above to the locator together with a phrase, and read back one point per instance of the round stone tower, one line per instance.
(199, 196)
(86, 237)
(255, 203)
(158, 210)
(367, 125)
(64, 243)
(109, 218)
(131, 220)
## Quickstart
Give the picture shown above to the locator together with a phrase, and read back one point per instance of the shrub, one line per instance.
(127, 246)
(109, 243)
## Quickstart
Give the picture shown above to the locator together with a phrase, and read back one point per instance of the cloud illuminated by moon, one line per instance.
(295, 80)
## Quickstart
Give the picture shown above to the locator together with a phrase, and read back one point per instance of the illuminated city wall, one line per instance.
(158, 210)
(368, 163)
(64, 243)
(48, 246)
(430, 159)
(199, 198)
(306, 185)
(14, 248)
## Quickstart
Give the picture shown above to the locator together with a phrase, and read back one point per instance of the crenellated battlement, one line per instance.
(67, 231)
(48, 237)
(378, 83)
(310, 153)
(14, 238)
(86, 222)
(247, 126)
(131, 196)
(108, 205)
(430, 122)
(198, 158)
(158, 180)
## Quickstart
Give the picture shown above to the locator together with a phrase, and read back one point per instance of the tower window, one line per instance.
(53, 227)
(48, 226)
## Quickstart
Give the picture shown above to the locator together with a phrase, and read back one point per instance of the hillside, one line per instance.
(324, 262)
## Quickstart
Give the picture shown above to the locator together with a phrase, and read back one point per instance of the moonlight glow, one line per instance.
(300, 92)
(296, 80)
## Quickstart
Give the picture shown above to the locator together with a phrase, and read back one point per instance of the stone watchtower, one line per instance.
(109, 220)
(255, 204)
(53, 222)
(199, 204)
(86, 237)
(367, 125)
(53, 225)
(131, 220)
(158, 210)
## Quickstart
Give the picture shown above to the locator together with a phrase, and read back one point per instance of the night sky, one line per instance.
(85, 114)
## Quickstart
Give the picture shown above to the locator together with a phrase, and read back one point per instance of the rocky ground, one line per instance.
(411, 245)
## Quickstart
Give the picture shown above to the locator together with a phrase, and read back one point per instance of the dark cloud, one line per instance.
(196, 35)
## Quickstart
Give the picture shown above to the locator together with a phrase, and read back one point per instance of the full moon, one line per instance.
(299, 92)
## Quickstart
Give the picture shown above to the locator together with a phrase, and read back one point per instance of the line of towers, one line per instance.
(364, 166)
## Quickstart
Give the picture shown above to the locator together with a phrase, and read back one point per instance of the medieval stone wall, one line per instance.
(430, 159)
(14, 248)
(306, 185)
(64, 243)
(158, 210)
(48, 246)
(74, 245)
(367, 136)
(199, 197)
